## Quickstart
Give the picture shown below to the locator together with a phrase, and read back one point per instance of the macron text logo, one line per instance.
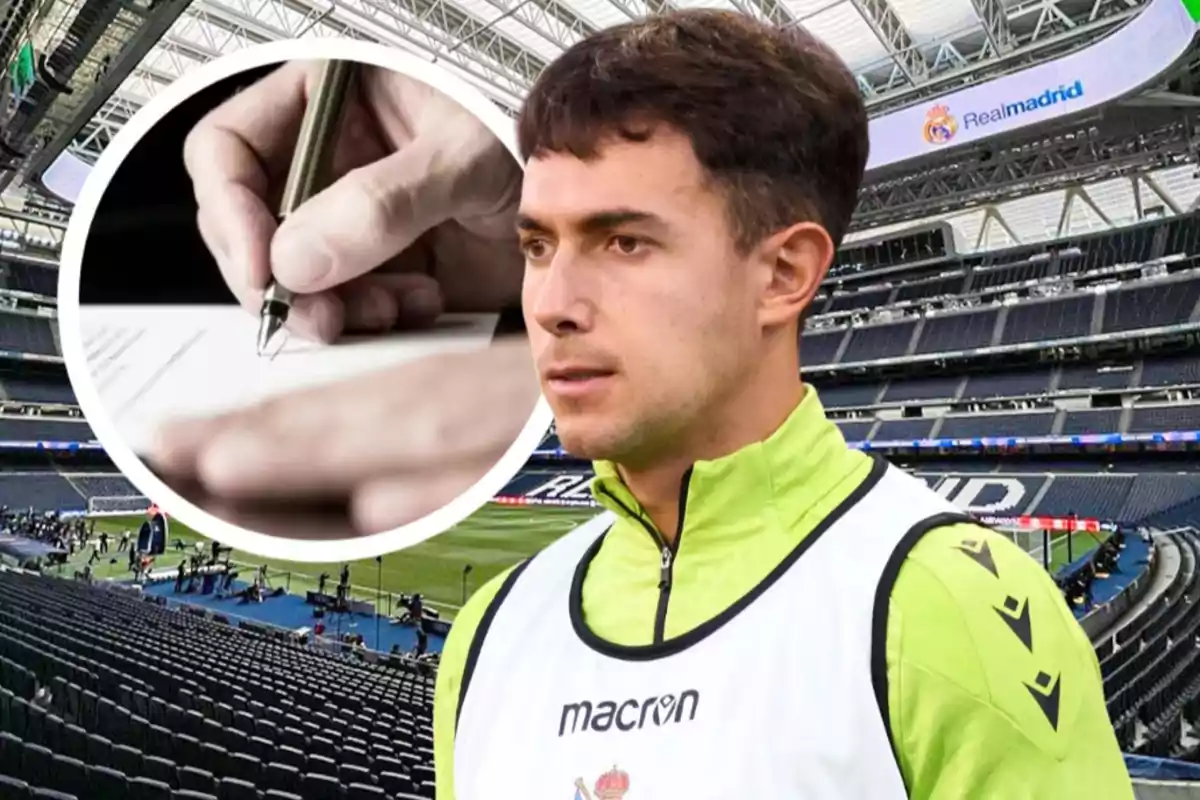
(628, 715)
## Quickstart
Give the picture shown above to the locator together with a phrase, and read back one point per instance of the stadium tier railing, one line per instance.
(1000, 349)
(1077, 440)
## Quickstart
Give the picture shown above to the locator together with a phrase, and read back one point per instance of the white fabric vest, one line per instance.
(775, 704)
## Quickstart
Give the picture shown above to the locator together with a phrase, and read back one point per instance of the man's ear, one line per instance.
(798, 259)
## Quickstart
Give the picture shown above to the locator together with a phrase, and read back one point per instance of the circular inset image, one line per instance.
(290, 301)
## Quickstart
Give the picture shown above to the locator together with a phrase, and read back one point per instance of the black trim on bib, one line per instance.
(670, 647)
(880, 612)
(481, 631)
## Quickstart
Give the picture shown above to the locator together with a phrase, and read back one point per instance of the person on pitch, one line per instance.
(761, 611)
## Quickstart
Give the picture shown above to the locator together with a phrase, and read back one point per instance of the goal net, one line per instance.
(118, 506)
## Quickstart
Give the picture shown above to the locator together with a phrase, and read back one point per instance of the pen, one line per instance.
(314, 146)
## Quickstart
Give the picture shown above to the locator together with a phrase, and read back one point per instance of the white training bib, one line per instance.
(772, 701)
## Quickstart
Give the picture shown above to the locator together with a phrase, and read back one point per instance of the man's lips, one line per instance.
(574, 372)
(576, 380)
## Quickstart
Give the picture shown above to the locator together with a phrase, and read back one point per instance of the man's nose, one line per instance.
(561, 298)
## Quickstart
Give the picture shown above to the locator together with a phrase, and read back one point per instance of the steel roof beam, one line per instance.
(994, 19)
(887, 26)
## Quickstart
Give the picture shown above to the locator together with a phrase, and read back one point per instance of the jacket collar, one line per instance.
(776, 480)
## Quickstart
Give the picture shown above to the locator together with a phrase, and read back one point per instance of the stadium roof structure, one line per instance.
(902, 51)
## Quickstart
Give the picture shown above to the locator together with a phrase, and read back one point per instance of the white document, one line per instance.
(153, 363)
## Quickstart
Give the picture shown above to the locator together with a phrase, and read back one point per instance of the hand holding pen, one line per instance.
(387, 242)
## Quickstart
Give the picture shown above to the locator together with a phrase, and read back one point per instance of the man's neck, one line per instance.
(754, 417)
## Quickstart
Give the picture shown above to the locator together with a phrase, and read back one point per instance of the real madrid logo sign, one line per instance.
(940, 125)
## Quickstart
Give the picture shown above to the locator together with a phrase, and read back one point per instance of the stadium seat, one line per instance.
(320, 787)
(40, 793)
(161, 769)
(292, 757)
(197, 780)
(36, 764)
(364, 791)
(126, 759)
(281, 777)
(69, 775)
(353, 773)
(99, 750)
(13, 788)
(395, 784)
(159, 742)
(11, 748)
(18, 715)
(262, 749)
(148, 789)
(75, 742)
(234, 789)
(107, 782)
(214, 758)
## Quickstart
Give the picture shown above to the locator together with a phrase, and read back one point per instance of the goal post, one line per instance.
(118, 505)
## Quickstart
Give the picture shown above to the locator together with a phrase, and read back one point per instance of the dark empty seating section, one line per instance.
(878, 341)
(1090, 376)
(33, 390)
(1172, 371)
(1049, 320)
(47, 491)
(903, 430)
(32, 278)
(1151, 306)
(856, 430)
(1153, 495)
(872, 298)
(26, 429)
(955, 332)
(1165, 419)
(973, 426)
(1012, 384)
(148, 702)
(940, 388)
(1092, 496)
(1101, 420)
(25, 334)
(927, 289)
(104, 486)
(1004, 276)
(820, 348)
(849, 396)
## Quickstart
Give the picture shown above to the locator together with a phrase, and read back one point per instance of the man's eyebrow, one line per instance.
(596, 222)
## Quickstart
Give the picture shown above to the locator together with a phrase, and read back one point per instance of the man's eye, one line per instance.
(626, 245)
(535, 248)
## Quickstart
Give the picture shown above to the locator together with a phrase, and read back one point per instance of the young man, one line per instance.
(762, 611)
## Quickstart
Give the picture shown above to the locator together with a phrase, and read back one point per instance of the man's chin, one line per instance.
(587, 445)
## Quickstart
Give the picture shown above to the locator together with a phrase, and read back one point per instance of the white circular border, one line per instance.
(72, 338)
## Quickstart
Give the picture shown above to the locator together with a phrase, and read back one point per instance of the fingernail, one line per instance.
(299, 261)
(422, 302)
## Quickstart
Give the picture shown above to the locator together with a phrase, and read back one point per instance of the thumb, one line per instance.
(368, 216)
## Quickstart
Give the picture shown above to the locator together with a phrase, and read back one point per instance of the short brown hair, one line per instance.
(773, 114)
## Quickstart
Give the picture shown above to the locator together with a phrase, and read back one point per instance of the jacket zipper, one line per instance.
(666, 573)
(668, 552)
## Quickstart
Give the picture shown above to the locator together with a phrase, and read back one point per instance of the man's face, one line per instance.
(642, 315)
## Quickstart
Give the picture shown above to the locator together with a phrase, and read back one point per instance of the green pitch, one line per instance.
(491, 540)
(494, 538)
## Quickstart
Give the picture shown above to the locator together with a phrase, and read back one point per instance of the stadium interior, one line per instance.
(1015, 319)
